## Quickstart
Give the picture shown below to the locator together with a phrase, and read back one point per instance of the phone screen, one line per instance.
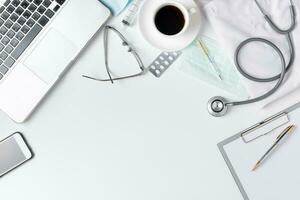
(11, 153)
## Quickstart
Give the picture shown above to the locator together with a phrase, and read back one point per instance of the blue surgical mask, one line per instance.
(116, 6)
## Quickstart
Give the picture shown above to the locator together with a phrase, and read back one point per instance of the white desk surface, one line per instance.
(140, 139)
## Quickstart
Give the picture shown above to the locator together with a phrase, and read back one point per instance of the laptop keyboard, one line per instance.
(20, 22)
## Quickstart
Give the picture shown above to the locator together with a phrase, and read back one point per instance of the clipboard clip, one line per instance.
(265, 127)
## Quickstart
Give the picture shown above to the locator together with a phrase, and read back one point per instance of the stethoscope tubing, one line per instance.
(285, 68)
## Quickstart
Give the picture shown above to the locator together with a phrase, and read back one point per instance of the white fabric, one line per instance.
(237, 20)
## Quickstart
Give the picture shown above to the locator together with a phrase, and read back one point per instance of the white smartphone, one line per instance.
(14, 151)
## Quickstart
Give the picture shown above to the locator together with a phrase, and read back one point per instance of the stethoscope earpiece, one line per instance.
(217, 106)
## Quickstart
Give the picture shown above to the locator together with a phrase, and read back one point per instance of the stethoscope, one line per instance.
(218, 106)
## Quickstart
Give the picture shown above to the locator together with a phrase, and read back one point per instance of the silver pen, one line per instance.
(281, 136)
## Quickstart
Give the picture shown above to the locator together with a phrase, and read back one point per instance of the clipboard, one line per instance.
(279, 176)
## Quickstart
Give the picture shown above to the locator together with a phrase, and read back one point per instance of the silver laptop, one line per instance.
(39, 40)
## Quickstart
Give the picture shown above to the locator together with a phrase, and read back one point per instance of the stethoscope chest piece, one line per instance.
(217, 106)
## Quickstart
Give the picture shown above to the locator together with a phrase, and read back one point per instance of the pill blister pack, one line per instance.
(163, 62)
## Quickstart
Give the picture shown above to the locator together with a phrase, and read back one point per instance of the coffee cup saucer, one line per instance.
(161, 41)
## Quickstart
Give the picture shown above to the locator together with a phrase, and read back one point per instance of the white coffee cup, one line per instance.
(184, 34)
(186, 12)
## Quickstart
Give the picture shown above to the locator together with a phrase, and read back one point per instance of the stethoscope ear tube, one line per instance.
(284, 31)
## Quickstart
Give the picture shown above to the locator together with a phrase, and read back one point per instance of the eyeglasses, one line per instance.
(130, 50)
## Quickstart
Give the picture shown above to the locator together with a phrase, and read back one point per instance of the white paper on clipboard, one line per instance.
(278, 177)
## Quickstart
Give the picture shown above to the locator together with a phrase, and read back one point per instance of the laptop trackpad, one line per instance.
(51, 56)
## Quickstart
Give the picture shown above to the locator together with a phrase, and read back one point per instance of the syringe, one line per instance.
(131, 12)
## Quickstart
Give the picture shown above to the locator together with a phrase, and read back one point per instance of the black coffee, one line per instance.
(169, 20)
